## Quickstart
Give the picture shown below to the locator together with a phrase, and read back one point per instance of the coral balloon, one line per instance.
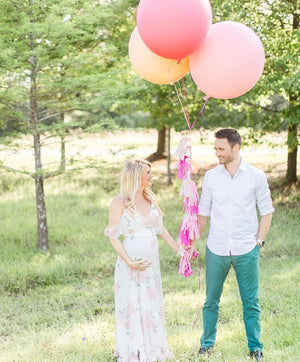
(151, 66)
(229, 62)
(173, 28)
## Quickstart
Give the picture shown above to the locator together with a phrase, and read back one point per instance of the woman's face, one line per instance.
(146, 177)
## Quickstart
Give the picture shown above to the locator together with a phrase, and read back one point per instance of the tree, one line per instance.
(273, 104)
(39, 41)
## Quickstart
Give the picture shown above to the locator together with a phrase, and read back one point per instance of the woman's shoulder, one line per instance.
(116, 210)
(118, 202)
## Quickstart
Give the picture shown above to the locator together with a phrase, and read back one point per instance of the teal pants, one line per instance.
(247, 274)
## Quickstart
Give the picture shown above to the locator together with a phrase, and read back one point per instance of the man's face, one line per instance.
(224, 152)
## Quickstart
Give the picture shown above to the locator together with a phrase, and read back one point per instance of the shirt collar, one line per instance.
(242, 166)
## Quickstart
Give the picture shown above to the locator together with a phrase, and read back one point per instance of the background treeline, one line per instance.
(64, 65)
(67, 62)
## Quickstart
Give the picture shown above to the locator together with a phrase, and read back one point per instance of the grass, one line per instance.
(58, 306)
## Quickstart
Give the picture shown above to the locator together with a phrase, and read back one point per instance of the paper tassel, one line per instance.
(184, 168)
(188, 188)
(190, 209)
(184, 236)
(193, 227)
(191, 201)
(184, 266)
(189, 229)
(189, 226)
(184, 147)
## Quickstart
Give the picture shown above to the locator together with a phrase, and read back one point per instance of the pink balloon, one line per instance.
(151, 66)
(173, 28)
(229, 62)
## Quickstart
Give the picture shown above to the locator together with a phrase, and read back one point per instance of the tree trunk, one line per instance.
(291, 173)
(42, 241)
(161, 141)
(169, 157)
(62, 144)
(160, 153)
(62, 153)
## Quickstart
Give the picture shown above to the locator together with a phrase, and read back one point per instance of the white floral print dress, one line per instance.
(139, 311)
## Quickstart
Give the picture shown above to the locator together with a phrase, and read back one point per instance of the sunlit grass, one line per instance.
(58, 306)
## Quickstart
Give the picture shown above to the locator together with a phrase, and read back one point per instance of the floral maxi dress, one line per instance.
(139, 311)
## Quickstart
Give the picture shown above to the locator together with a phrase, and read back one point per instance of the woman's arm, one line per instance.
(169, 240)
(137, 265)
(115, 213)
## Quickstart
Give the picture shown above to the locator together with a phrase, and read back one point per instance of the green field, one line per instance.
(58, 306)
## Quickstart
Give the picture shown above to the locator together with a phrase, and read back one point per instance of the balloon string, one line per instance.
(199, 275)
(183, 110)
(196, 118)
(186, 113)
(206, 98)
(187, 109)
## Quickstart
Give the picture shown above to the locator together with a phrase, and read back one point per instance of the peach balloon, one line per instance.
(151, 66)
(229, 62)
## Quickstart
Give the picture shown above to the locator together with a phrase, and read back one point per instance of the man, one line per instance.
(231, 194)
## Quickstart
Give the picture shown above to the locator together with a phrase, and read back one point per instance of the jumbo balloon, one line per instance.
(151, 66)
(229, 62)
(173, 28)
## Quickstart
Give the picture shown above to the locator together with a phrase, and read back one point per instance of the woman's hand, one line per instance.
(139, 264)
(193, 252)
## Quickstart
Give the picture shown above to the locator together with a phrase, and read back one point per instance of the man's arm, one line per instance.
(201, 224)
(264, 226)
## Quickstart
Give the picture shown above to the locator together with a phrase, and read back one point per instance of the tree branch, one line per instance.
(10, 169)
(48, 116)
(262, 107)
(60, 172)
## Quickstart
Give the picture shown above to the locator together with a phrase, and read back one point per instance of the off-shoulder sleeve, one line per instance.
(114, 231)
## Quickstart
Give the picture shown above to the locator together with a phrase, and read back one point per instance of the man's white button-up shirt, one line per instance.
(232, 203)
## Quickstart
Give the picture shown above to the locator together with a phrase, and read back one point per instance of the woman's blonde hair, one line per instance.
(131, 177)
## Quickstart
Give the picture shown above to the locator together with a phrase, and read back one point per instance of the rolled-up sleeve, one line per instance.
(205, 199)
(263, 195)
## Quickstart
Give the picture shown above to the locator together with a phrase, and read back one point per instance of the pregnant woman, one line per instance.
(139, 311)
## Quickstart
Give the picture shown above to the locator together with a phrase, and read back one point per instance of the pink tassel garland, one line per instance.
(183, 168)
(189, 226)
(184, 236)
(184, 266)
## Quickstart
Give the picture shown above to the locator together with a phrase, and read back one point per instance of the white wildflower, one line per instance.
(68, 17)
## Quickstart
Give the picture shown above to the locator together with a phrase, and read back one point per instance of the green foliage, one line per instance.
(85, 65)
(277, 25)
(73, 44)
